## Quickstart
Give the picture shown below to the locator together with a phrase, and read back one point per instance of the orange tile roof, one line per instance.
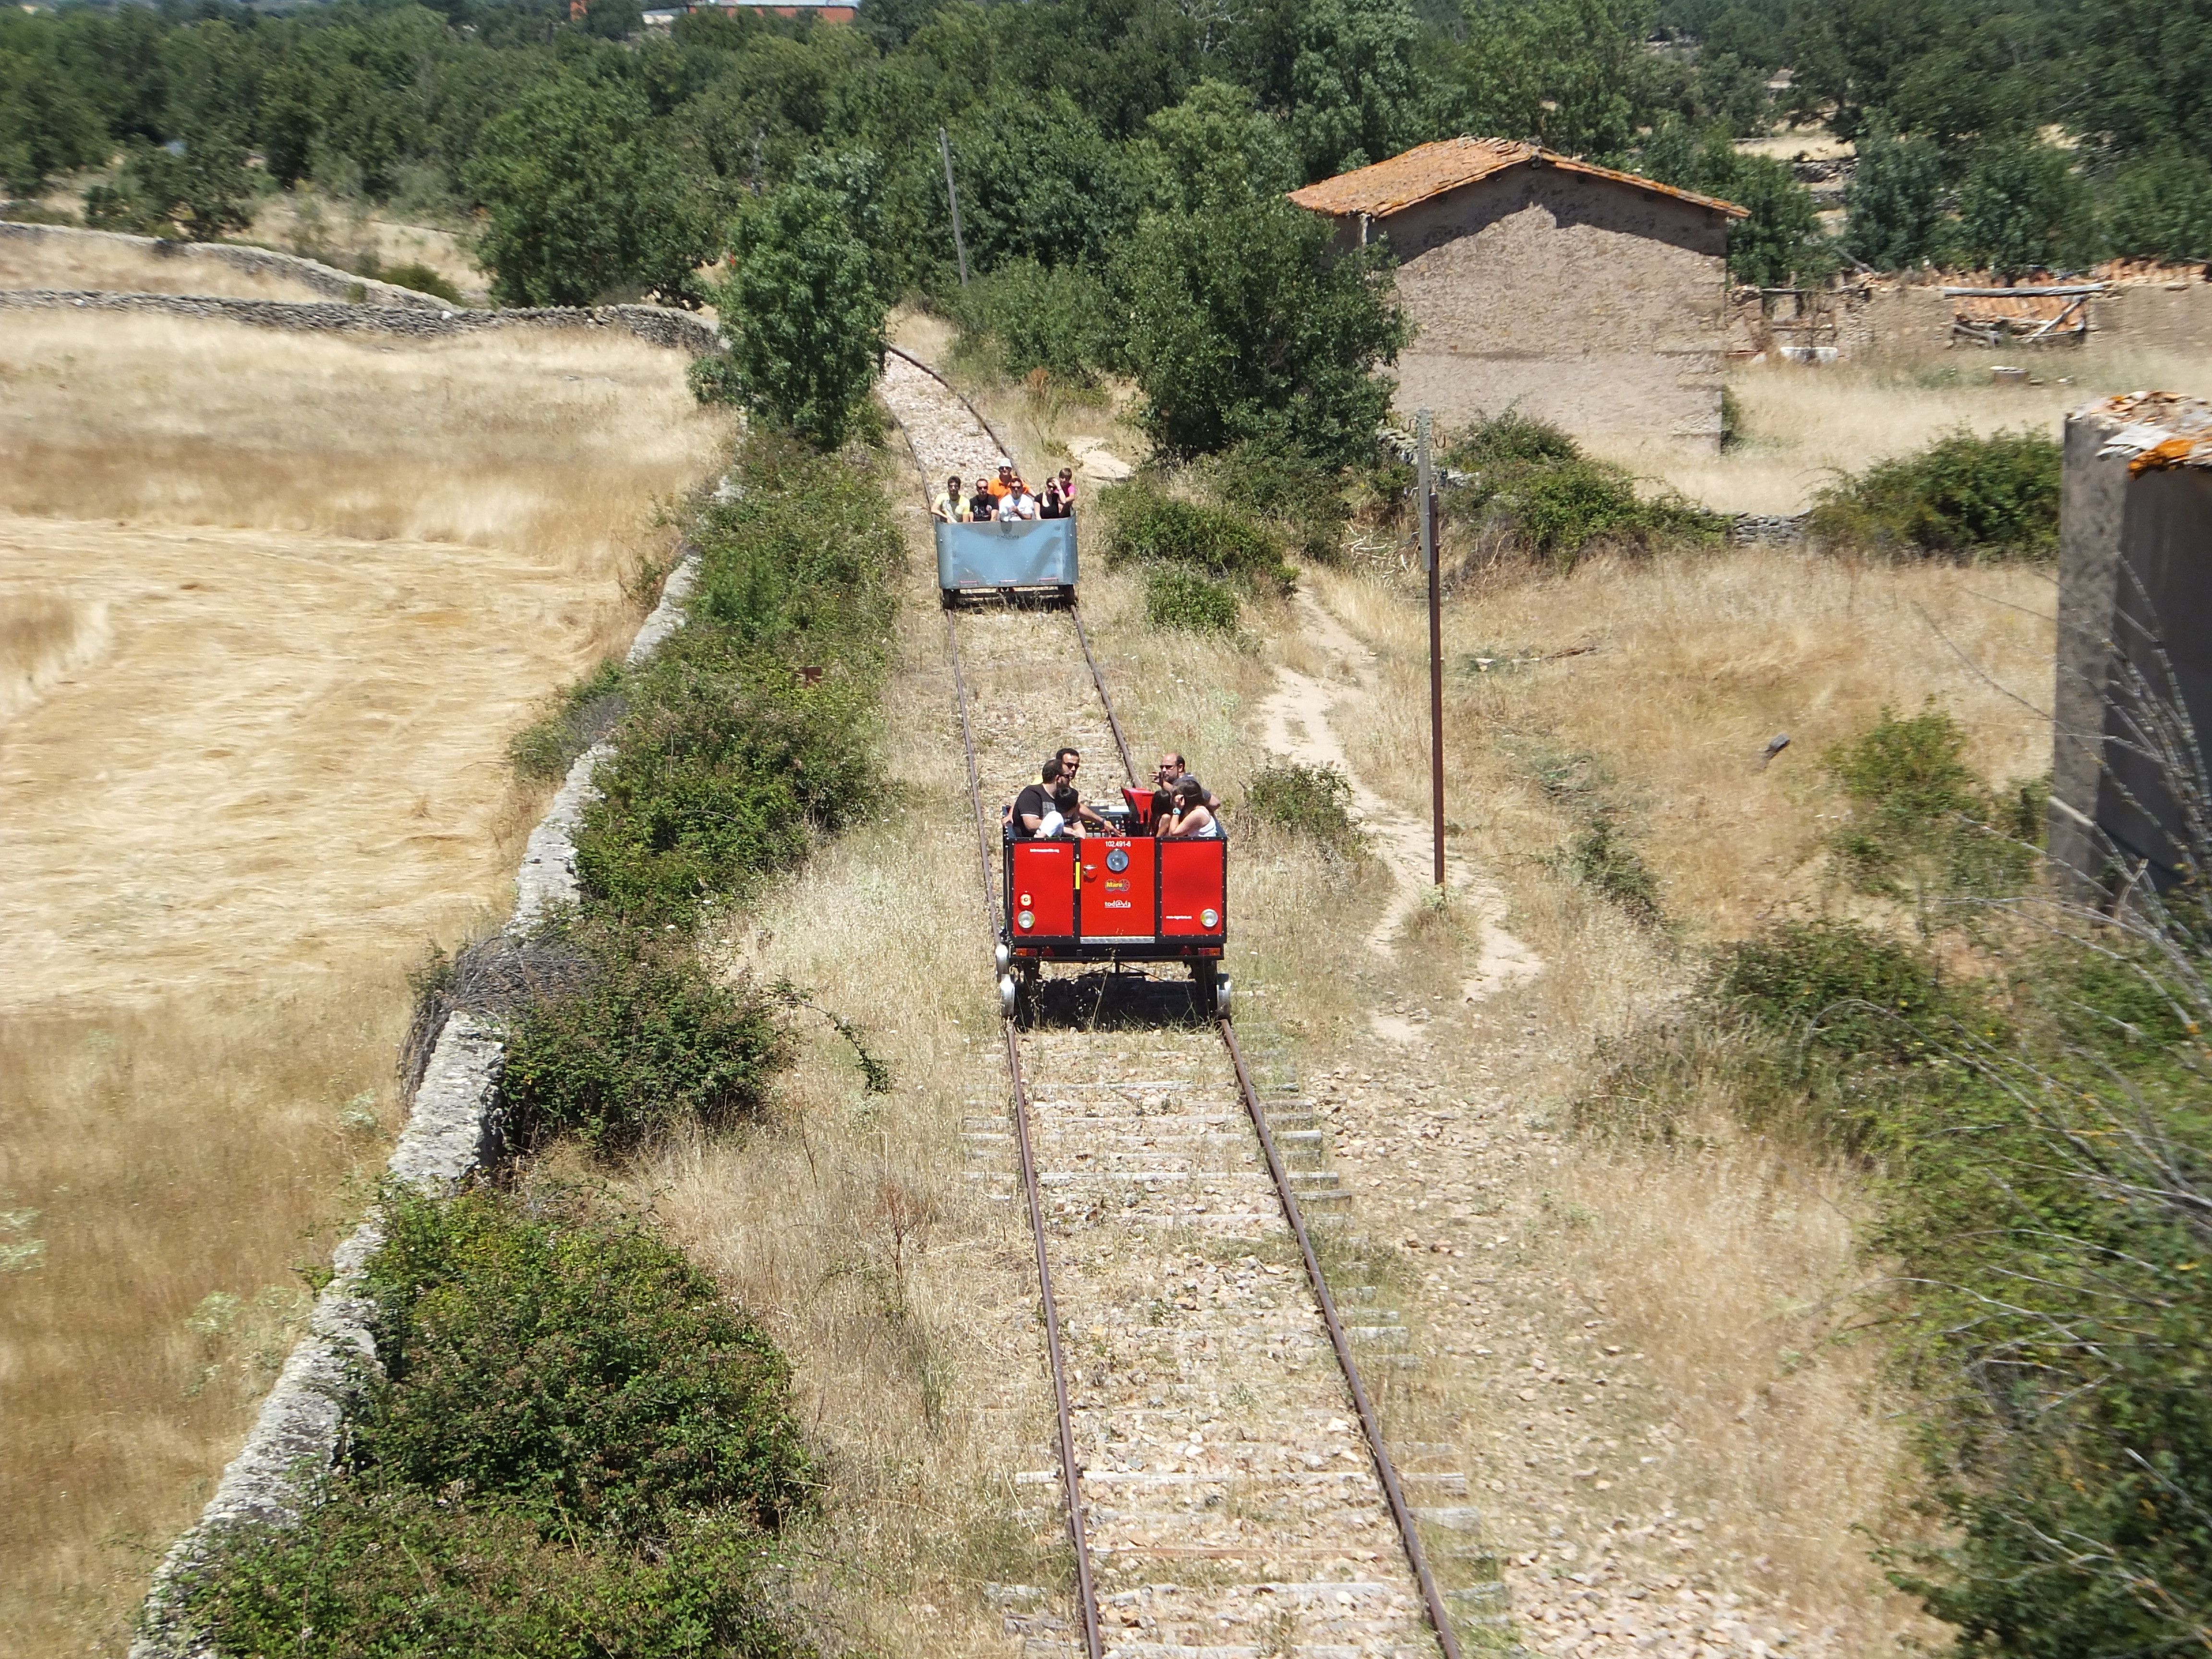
(1428, 170)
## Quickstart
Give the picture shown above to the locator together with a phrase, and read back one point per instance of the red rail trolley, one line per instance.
(1120, 896)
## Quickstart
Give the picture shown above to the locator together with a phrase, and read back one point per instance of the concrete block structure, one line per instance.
(2129, 792)
(1592, 299)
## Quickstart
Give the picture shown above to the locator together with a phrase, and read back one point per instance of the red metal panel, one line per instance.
(1040, 879)
(1194, 879)
(1118, 903)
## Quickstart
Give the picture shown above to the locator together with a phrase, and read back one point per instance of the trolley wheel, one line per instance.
(1225, 991)
(1010, 996)
(1210, 987)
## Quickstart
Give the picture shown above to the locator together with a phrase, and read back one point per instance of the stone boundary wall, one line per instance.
(677, 329)
(253, 261)
(454, 1126)
(1766, 529)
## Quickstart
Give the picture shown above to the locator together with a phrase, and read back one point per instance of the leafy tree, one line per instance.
(1781, 242)
(46, 125)
(1215, 146)
(1895, 201)
(2022, 208)
(584, 201)
(196, 188)
(2161, 208)
(1038, 180)
(1244, 325)
(801, 310)
(1571, 73)
(1352, 83)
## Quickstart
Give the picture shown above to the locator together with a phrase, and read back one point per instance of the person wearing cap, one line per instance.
(1004, 482)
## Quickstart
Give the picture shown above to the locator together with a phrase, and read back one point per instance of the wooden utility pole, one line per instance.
(1428, 509)
(952, 195)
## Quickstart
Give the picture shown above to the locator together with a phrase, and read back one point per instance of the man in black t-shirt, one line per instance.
(1035, 802)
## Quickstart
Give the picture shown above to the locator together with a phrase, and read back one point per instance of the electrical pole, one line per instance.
(1428, 509)
(952, 195)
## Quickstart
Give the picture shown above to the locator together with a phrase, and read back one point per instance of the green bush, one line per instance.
(1300, 498)
(549, 1351)
(369, 1574)
(1835, 986)
(419, 278)
(729, 757)
(1963, 497)
(575, 720)
(1602, 859)
(1312, 801)
(1026, 316)
(652, 1040)
(1921, 822)
(1144, 523)
(1535, 494)
(1183, 599)
(576, 1445)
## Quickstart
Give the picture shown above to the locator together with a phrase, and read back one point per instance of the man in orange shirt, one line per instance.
(1002, 486)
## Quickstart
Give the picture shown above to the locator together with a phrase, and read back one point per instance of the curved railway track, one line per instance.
(1227, 1488)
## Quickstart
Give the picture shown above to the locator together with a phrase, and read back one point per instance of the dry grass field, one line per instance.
(127, 268)
(1802, 424)
(270, 607)
(346, 233)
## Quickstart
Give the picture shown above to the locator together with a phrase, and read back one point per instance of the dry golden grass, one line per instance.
(269, 608)
(347, 233)
(1721, 1261)
(135, 268)
(1802, 424)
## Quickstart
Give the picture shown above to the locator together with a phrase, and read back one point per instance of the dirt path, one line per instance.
(1297, 725)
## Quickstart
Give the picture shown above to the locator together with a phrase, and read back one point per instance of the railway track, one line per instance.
(1226, 1487)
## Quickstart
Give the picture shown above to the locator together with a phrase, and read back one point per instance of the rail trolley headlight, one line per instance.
(1209, 919)
(1026, 919)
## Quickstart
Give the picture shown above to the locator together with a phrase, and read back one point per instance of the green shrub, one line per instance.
(549, 1351)
(1146, 523)
(1963, 497)
(729, 757)
(1312, 801)
(1836, 985)
(1602, 859)
(370, 1574)
(576, 1445)
(1027, 316)
(651, 1041)
(1922, 824)
(420, 277)
(1301, 499)
(587, 711)
(1535, 494)
(1184, 599)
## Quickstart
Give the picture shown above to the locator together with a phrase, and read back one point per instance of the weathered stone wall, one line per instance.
(2134, 647)
(678, 330)
(252, 261)
(1595, 305)
(454, 1126)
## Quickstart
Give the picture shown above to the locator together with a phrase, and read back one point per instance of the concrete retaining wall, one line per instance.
(252, 261)
(454, 1126)
(678, 330)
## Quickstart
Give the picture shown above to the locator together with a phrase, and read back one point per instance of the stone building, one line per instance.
(1592, 299)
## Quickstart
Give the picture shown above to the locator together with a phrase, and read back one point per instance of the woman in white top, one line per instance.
(1191, 820)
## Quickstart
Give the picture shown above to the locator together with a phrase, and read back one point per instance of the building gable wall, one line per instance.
(1595, 304)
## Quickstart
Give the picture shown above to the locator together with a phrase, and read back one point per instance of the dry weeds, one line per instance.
(272, 606)
(346, 233)
(1802, 424)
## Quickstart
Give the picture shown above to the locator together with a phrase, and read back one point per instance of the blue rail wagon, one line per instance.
(1029, 557)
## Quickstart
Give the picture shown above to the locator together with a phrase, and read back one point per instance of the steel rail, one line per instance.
(1439, 1618)
(1099, 680)
(1079, 1527)
(1386, 1470)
